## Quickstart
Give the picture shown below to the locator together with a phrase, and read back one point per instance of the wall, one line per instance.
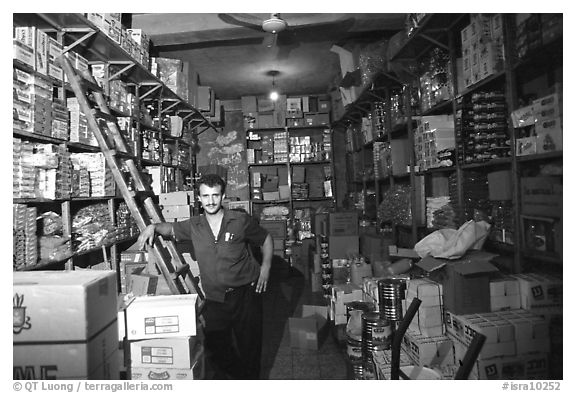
(228, 149)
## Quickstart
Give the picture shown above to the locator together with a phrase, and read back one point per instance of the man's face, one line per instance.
(211, 198)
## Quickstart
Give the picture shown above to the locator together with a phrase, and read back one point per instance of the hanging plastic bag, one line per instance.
(452, 244)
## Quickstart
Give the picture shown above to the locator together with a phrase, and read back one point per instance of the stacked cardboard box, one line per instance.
(65, 325)
(482, 47)
(164, 339)
(340, 295)
(177, 206)
(512, 337)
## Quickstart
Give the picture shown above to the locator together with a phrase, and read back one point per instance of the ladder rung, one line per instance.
(89, 85)
(105, 116)
(182, 270)
(143, 194)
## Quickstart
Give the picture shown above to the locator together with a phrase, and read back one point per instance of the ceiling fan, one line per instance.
(280, 33)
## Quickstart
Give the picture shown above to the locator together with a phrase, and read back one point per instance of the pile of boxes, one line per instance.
(434, 136)
(23, 169)
(293, 112)
(79, 130)
(177, 206)
(540, 125)
(32, 103)
(163, 338)
(482, 48)
(461, 298)
(65, 325)
(134, 41)
(100, 178)
(535, 30)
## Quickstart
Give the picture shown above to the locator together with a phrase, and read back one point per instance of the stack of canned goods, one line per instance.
(376, 336)
(390, 295)
(327, 278)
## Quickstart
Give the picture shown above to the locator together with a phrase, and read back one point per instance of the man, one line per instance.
(232, 279)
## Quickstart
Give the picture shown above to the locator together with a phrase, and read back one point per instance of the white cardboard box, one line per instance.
(430, 352)
(176, 198)
(96, 358)
(173, 353)
(60, 306)
(177, 211)
(161, 316)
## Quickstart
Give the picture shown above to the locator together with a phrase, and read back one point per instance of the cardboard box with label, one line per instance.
(168, 372)
(465, 281)
(431, 352)
(60, 306)
(161, 316)
(539, 291)
(176, 352)
(177, 211)
(176, 198)
(309, 330)
(343, 224)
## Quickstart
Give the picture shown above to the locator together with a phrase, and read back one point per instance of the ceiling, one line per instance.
(228, 52)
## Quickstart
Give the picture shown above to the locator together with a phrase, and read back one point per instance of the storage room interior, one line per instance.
(406, 167)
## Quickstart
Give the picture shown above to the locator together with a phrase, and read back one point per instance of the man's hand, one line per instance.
(146, 236)
(262, 283)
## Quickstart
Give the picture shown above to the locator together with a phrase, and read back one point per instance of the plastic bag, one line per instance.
(452, 244)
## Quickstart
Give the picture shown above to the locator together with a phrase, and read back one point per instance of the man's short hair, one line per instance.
(212, 180)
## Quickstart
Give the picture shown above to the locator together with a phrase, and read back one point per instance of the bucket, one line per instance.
(415, 372)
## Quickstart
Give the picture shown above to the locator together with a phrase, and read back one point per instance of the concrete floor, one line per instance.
(287, 290)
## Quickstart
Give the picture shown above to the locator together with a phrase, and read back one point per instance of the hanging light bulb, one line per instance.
(273, 93)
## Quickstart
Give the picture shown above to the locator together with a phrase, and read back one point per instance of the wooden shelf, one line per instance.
(268, 164)
(489, 163)
(483, 83)
(435, 26)
(315, 199)
(324, 162)
(541, 156)
(442, 108)
(38, 137)
(261, 201)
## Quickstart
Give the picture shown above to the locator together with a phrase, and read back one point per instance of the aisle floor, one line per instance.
(287, 290)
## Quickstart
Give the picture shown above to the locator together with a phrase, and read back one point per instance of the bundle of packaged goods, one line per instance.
(539, 125)
(164, 339)
(482, 47)
(25, 252)
(102, 181)
(65, 325)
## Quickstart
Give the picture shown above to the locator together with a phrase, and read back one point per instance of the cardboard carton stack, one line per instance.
(163, 337)
(65, 325)
(177, 206)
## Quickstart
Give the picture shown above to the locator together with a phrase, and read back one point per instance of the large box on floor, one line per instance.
(165, 372)
(94, 358)
(465, 281)
(309, 330)
(60, 306)
(161, 316)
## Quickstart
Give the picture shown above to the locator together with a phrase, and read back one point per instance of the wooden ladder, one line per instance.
(104, 125)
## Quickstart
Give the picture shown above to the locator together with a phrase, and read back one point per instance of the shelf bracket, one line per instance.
(435, 42)
(129, 64)
(89, 33)
(156, 87)
(170, 106)
(376, 96)
(208, 127)
(361, 109)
